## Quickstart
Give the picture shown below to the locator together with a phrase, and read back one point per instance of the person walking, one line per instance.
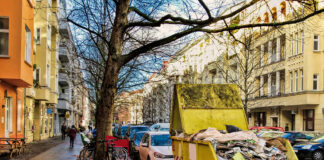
(72, 133)
(63, 130)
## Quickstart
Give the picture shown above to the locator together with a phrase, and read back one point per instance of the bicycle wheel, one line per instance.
(119, 153)
(88, 155)
(81, 154)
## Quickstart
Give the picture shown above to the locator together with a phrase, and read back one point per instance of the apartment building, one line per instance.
(128, 107)
(185, 66)
(70, 79)
(291, 94)
(16, 63)
(41, 99)
(287, 79)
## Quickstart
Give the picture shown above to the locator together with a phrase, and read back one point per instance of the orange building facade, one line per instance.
(16, 63)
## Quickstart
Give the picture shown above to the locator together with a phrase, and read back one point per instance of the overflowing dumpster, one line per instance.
(199, 119)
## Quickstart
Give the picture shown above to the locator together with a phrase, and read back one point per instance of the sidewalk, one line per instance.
(62, 151)
(37, 147)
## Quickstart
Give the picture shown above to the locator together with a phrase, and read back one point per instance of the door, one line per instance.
(143, 150)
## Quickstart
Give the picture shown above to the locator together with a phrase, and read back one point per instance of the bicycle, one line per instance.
(116, 153)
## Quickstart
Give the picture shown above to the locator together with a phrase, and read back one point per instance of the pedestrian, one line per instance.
(90, 128)
(72, 134)
(63, 130)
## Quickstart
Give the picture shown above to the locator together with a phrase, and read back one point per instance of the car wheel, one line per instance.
(317, 155)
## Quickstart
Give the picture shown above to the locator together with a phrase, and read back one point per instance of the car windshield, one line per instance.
(123, 130)
(164, 129)
(161, 140)
(139, 136)
(137, 129)
(319, 139)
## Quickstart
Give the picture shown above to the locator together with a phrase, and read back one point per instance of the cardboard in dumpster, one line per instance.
(242, 145)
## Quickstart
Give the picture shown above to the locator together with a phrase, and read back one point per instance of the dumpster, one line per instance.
(200, 106)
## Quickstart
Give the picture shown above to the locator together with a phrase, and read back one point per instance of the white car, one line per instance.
(156, 146)
(160, 127)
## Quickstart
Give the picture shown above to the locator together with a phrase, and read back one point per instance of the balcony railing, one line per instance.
(64, 96)
(63, 54)
(63, 104)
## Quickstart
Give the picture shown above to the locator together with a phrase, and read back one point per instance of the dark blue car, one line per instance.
(312, 149)
(296, 137)
(131, 130)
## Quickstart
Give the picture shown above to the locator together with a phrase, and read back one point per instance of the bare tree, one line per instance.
(125, 30)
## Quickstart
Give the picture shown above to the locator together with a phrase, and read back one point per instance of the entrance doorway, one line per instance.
(274, 121)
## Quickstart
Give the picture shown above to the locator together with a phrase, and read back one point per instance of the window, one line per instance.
(308, 120)
(291, 82)
(48, 75)
(316, 43)
(283, 8)
(260, 119)
(296, 81)
(292, 45)
(28, 45)
(315, 82)
(19, 116)
(301, 80)
(49, 34)
(8, 114)
(302, 42)
(38, 33)
(63, 90)
(37, 77)
(297, 43)
(4, 36)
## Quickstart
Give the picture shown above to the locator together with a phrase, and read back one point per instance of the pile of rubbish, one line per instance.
(242, 145)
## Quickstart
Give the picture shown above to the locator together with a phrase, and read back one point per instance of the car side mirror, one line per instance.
(144, 145)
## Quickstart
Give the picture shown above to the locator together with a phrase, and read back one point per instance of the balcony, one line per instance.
(64, 96)
(63, 78)
(30, 92)
(64, 27)
(53, 98)
(63, 104)
(63, 54)
(42, 94)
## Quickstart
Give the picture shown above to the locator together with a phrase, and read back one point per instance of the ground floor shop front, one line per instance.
(39, 120)
(291, 118)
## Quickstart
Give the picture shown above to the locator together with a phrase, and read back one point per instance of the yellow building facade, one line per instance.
(291, 86)
(41, 100)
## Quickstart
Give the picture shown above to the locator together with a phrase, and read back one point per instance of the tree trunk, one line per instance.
(105, 108)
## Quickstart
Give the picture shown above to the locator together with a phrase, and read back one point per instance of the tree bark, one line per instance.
(106, 106)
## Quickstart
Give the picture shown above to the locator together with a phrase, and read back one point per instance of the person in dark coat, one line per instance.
(63, 130)
(72, 134)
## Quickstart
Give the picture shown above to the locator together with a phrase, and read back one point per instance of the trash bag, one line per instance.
(231, 128)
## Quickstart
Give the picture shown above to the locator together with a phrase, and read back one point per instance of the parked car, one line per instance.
(264, 128)
(156, 145)
(115, 130)
(135, 142)
(121, 133)
(296, 137)
(160, 127)
(312, 149)
(131, 130)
